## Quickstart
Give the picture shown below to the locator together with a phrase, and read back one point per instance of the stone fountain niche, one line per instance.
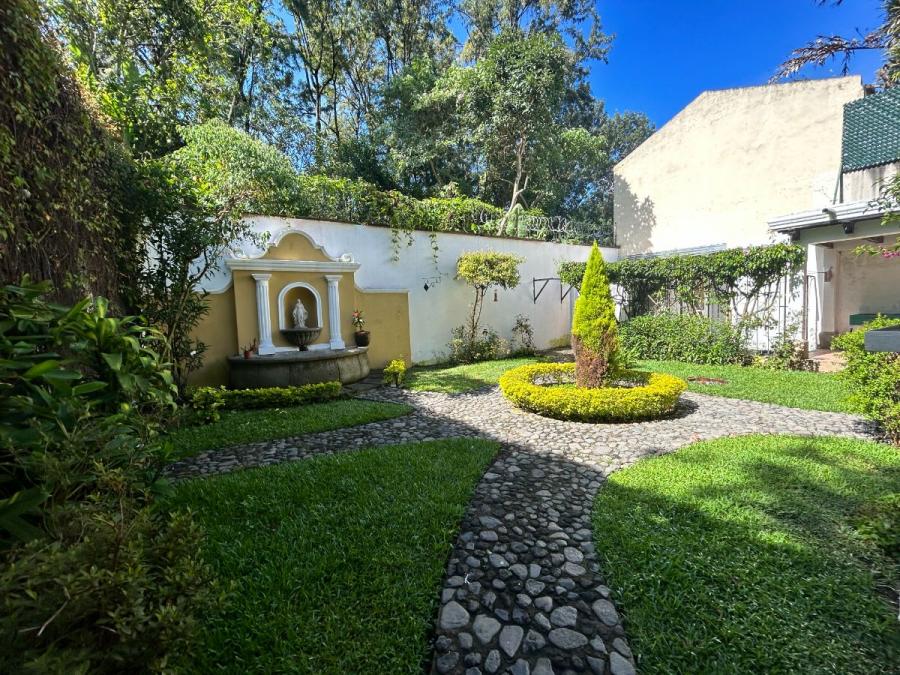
(301, 336)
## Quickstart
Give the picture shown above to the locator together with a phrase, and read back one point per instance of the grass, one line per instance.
(748, 555)
(336, 561)
(248, 426)
(811, 391)
(456, 379)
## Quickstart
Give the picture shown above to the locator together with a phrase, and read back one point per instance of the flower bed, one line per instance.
(653, 395)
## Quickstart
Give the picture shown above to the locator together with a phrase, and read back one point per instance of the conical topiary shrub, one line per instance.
(595, 333)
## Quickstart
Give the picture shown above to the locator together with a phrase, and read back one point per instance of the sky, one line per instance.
(666, 52)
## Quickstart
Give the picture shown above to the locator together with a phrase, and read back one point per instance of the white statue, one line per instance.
(300, 315)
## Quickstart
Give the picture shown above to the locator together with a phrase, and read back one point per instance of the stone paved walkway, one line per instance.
(523, 591)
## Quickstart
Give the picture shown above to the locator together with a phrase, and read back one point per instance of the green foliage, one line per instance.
(63, 175)
(684, 337)
(523, 337)
(482, 270)
(95, 577)
(655, 394)
(595, 335)
(791, 388)
(486, 269)
(787, 353)
(207, 401)
(874, 378)
(394, 372)
(468, 347)
(750, 546)
(363, 598)
(736, 277)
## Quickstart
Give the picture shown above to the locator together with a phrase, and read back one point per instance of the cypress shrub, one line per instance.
(595, 335)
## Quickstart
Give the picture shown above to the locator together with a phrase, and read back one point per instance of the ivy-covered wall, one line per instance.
(63, 174)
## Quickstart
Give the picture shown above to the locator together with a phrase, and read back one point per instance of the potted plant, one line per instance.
(248, 351)
(361, 335)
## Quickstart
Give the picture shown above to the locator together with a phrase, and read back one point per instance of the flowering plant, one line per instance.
(358, 321)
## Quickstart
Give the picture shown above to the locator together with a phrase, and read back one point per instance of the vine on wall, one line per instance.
(740, 279)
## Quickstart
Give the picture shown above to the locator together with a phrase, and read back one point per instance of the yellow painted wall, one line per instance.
(387, 320)
(232, 322)
(218, 330)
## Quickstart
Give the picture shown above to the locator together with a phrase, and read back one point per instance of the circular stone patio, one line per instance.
(523, 591)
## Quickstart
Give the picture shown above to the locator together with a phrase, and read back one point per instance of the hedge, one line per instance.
(656, 394)
(206, 401)
(684, 337)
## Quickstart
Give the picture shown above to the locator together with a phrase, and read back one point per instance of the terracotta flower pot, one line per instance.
(362, 338)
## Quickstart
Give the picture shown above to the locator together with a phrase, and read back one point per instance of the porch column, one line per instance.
(334, 312)
(263, 314)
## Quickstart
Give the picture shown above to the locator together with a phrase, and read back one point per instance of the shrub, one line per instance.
(206, 401)
(523, 337)
(484, 346)
(656, 394)
(395, 372)
(96, 578)
(786, 353)
(595, 337)
(874, 378)
(684, 337)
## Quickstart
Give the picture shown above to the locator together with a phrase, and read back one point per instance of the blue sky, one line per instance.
(667, 52)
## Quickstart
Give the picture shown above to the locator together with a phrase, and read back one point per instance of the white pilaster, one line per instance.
(334, 312)
(263, 314)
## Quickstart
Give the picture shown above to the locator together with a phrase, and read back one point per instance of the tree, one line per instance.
(484, 270)
(576, 21)
(885, 38)
(509, 103)
(595, 332)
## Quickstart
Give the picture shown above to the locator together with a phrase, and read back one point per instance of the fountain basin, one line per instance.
(301, 337)
(292, 369)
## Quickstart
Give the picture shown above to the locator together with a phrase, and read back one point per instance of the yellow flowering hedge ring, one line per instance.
(654, 394)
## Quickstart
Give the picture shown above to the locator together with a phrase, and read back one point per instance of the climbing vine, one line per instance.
(741, 279)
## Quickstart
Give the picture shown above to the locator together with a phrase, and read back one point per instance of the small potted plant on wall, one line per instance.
(359, 323)
(248, 350)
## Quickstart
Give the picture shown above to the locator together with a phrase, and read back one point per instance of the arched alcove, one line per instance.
(310, 298)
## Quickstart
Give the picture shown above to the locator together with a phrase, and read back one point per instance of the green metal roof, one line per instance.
(871, 131)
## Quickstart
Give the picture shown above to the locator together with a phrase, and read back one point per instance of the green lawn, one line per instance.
(336, 561)
(247, 426)
(812, 391)
(455, 379)
(748, 555)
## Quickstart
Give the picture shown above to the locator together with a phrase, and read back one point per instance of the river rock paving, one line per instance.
(523, 591)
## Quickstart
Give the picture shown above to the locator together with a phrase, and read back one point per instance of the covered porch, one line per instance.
(844, 287)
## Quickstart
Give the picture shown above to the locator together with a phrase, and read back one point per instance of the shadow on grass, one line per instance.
(750, 563)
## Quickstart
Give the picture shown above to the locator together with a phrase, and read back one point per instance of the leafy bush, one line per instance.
(656, 395)
(395, 372)
(523, 337)
(786, 353)
(595, 336)
(95, 577)
(874, 377)
(206, 401)
(466, 348)
(684, 337)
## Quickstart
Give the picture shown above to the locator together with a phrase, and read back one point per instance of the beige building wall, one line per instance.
(864, 284)
(730, 162)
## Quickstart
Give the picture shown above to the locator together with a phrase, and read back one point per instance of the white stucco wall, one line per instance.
(434, 313)
(731, 161)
